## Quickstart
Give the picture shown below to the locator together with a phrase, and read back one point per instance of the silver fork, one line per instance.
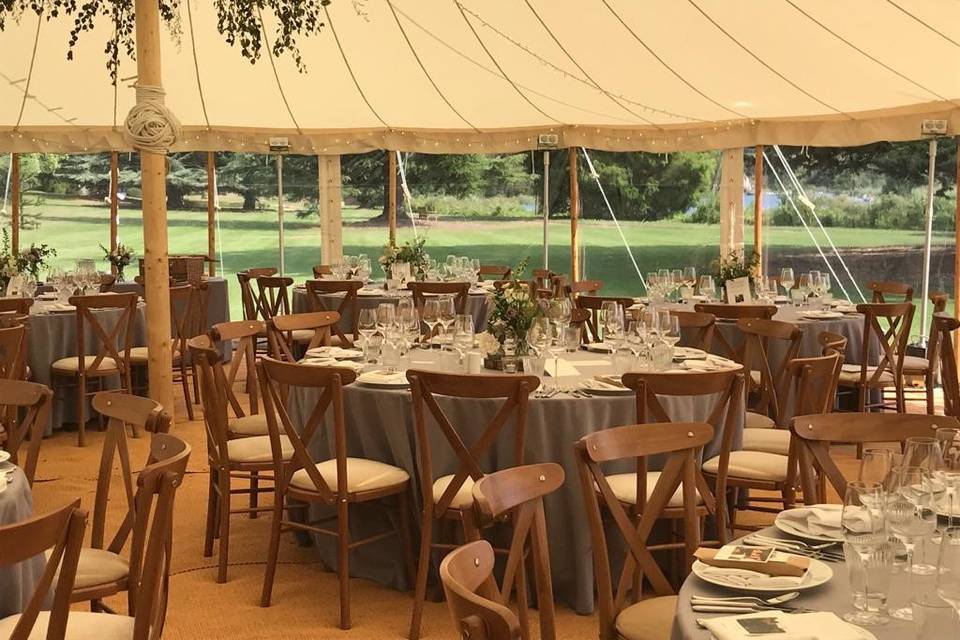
(797, 543)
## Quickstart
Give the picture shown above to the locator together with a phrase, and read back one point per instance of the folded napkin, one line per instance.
(820, 625)
(331, 362)
(701, 365)
(364, 291)
(383, 377)
(333, 352)
(560, 367)
(744, 578)
(819, 519)
(59, 306)
(604, 383)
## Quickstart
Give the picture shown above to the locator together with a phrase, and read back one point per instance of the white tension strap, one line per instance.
(150, 125)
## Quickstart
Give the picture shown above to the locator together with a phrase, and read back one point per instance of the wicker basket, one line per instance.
(184, 268)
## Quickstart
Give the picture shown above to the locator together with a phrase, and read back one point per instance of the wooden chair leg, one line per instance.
(81, 405)
(423, 566)
(224, 502)
(523, 602)
(211, 527)
(405, 538)
(343, 561)
(273, 551)
(186, 390)
(254, 494)
(928, 387)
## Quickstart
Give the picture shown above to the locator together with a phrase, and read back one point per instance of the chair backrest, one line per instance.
(120, 409)
(188, 313)
(892, 339)
(348, 305)
(815, 434)
(106, 282)
(945, 327)
(589, 287)
(812, 386)
(558, 285)
(13, 352)
(499, 272)
(321, 270)
(594, 303)
(939, 301)
(464, 572)
(699, 326)
(882, 289)
(280, 331)
(459, 291)
(113, 339)
(832, 343)
(760, 335)
(24, 410)
(215, 395)
(276, 380)
(274, 295)
(520, 491)
(543, 278)
(19, 306)
(60, 531)
(680, 444)
(425, 386)
(722, 311)
(249, 297)
(243, 334)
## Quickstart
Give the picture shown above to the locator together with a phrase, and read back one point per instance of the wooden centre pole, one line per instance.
(574, 216)
(153, 172)
(956, 255)
(758, 205)
(211, 214)
(15, 203)
(114, 204)
(392, 196)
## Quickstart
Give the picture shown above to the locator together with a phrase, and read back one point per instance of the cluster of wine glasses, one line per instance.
(895, 505)
(801, 288)
(390, 330)
(84, 279)
(454, 269)
(349, 267)
(663, 283)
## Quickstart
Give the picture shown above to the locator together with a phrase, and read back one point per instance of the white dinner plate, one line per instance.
(821, 315)
(369, 379)
(788, 527)
(819, 573)
(336, 353)
(598, 347)
(600, 388)
(689, 353)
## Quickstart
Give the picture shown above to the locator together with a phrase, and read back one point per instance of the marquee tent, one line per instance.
(473, 76)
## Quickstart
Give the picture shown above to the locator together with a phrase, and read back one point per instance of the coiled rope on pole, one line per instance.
(151, 126)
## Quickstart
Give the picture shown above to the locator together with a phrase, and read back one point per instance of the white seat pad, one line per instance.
(768, 440)
(624, 487)
(254, 425)
(758, 421)
(362, 475)
(650, 619)
(81, 625)
(849, 377)
(752, 465)
(256, 449)
(72, 365)
(915, 363)
(463, 497)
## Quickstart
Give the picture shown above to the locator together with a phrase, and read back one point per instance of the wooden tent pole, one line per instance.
(392, 196)
(153, 171)
(330, 196)
(211, 214)
(15, 203)
(114, 204)
(956, 256)
(758, 205)
(574, 215)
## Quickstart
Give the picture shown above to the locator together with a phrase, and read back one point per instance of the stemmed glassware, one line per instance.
(912, 516)
(949, 472)
(386, 318)
(669, 328)
(707, 287)
(690, 276)
(463, 334)
(923, 452)
(868, 552)
(786, 279)
(430, 315)
(948, 568)
(448, 314)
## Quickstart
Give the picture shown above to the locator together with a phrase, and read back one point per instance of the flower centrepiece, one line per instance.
(512, 317)
(412, 254)
(119, 258)
(29, 261)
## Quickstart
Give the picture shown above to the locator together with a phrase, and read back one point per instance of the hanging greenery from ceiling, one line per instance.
(241, 22)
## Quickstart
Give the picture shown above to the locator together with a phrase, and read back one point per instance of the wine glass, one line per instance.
(786, 279)
(367, 323)
(613, 325)
(463, 334)
(430, 315)
(707, 287)
(670, 328)
(690, 276)
(803, 285)
(949, 472)
(448, 313)
(923, 452)
(948, 573)
(867, 551)
(876, 465)
(912, 516)
(386, 317)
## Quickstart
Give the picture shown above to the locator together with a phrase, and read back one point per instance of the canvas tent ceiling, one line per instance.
(490, 75)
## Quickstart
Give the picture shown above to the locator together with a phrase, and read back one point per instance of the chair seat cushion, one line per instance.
(758, 421)
(751, 465)
(139, 355)
(81, 625)
(650, 619)
(850, 375)
(362, 475)
(755, 377)
(72, 365)
(915, 364)
(98, 566)
(256, 449)
(767, 440)
(463, 497)
(303, 335)
(624, 486)
(253, 425)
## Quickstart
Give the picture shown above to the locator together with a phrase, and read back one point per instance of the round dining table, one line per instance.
(380, 426)
(18, 581)
(371, 296)
(218, 301)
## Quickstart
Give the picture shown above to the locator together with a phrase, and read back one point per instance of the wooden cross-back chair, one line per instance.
(519, 492)
(348, 306)
(321, 270)
(228, 456)
(732, 313)
(59, 534)
(291, 335)
(832, 343)
(301, 482)
(946, 326)
(558, 285)
(274, 295)
(13, 352)
(499, 272)
(594, 303)
(113, 338)
(928, 365)
(700, 328)
(459, 291)
(723, 418)
(768, 374)
(106, 282)
(244, 335)
(249, 297)
(887, 327)
(544, 280)
(883, 289)
(574, 290)
(815, 433)
(621, 612)
(19, 306)
(465, 573)
(24, 411)
(102, 571)
(449, 496)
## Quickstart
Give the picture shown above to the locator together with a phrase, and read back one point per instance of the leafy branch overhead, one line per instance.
(241, 22)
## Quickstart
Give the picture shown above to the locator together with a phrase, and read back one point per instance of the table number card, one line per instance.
(15, 287)
(738, 290)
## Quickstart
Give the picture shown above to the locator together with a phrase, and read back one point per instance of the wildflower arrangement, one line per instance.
(120, 257)
(31, 260)
(735, 265)
(512, 316)
(410, 253)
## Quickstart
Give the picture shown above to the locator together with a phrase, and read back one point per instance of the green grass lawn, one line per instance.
(76, 228)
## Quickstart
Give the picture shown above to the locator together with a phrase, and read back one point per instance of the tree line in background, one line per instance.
(878, 185)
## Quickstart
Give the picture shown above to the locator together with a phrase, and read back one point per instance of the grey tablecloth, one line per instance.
(17, 582)
(476, 305)
(218, 303)
(833, 596)
(54, 336)
(380, 426)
